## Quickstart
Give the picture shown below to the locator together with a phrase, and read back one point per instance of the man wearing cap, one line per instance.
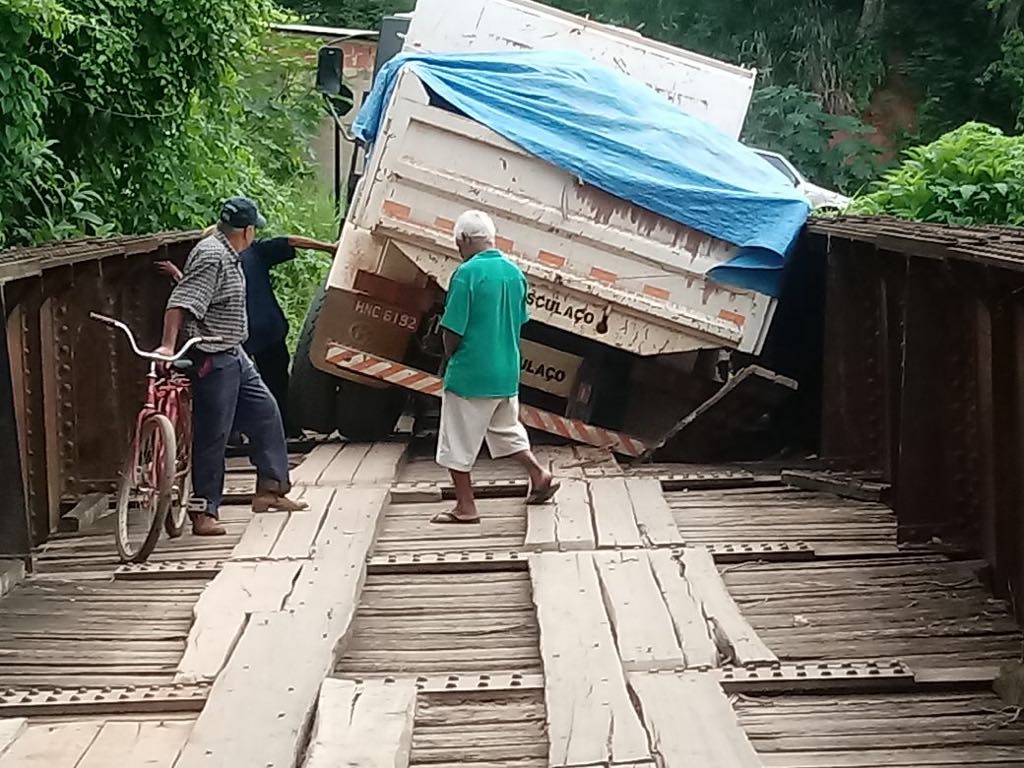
(268, 327)
(484, 313)
(209, 301)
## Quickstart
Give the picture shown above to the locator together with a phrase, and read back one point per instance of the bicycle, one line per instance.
(156, 483)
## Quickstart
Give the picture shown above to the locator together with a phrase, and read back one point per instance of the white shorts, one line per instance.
(467, 422)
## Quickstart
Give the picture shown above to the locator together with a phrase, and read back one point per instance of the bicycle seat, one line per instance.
(183, 365)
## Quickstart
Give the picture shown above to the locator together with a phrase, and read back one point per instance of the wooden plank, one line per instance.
(239, 590)
(381, 465)
(840, 484)
(735, 638)
(652, 512)
(153, 744)
(313, 466)
(613, 513)
(644, 632)
(50, 746)
(343, 467)
(560, 460)
(12, 573)
(699, 649)
(260, 707)
(363, 726)
(10, 729)
(260, 535)
(691, 722)
(565, 525)
(85, 513)
(299, 532)
(974, 756)
(591, 720)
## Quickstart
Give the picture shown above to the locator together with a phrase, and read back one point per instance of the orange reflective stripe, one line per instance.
(396, 210)
(656, 292)
(732, 317)
(551, 259)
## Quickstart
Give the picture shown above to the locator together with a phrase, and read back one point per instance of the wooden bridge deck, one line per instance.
(599, 630)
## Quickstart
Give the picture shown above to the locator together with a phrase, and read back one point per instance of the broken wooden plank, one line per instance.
(85, 513)
(239, 590)
(10, 729)
(314, 464)
(300, 530)
(565, 524)
(263, 719)
(699, 649)
(691, 722)
(839, 483)
(152, 743)
(710, 430)
(560, 460)
(260, 535)
(614, 522)
(644, 632)
(50, 746)
(12, 573)
(366, 725)
(591, 720)
(735, 638)
(652, 512)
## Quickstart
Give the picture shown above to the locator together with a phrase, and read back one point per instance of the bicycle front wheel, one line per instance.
(182, 488)
(146, 490)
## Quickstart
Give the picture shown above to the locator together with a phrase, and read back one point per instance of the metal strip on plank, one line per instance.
(102, 700)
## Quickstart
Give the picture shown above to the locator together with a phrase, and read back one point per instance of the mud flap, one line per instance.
(711, 430)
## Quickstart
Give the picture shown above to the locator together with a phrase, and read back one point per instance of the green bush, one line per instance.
(973, 175)
(831, 150)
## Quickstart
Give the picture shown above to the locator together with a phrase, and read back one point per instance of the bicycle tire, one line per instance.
(156, 428)
(177, 515)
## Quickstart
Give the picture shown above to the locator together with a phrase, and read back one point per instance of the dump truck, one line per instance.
(627, 335)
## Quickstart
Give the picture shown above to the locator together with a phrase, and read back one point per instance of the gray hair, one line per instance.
(476, 226)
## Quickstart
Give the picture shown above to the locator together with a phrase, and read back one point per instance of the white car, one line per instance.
(819, 197)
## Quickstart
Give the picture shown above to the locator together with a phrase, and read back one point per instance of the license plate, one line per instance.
(385, 314)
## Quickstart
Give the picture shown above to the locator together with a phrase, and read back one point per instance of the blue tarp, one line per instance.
(619, 135)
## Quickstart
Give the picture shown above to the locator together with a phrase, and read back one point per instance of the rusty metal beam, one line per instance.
(15, 538)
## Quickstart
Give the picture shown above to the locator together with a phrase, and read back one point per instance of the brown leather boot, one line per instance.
(204, 525)
(266, 501)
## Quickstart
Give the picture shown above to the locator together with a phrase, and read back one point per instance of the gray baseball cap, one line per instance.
(241, 212)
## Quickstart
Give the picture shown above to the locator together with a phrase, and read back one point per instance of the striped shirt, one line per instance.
(212, 293)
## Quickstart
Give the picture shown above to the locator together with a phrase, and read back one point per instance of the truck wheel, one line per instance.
(312, 393)
(365, 414)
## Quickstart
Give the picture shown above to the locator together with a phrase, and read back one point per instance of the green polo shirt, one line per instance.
(486, 306)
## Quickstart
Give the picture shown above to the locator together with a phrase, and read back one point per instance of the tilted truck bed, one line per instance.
(597, 266)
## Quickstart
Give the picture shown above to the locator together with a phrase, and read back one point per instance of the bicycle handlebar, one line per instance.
(152, 355)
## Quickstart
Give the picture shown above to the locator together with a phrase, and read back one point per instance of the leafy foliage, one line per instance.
(973, 175)
(140, 115)
(829, 149)
(351, 14)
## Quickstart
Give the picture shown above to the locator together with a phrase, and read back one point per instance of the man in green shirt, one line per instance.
(484, 313)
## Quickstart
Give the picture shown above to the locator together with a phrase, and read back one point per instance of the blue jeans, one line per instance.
(228, 391)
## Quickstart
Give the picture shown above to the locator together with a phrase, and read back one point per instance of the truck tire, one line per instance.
(312, 394)
(365, 414)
